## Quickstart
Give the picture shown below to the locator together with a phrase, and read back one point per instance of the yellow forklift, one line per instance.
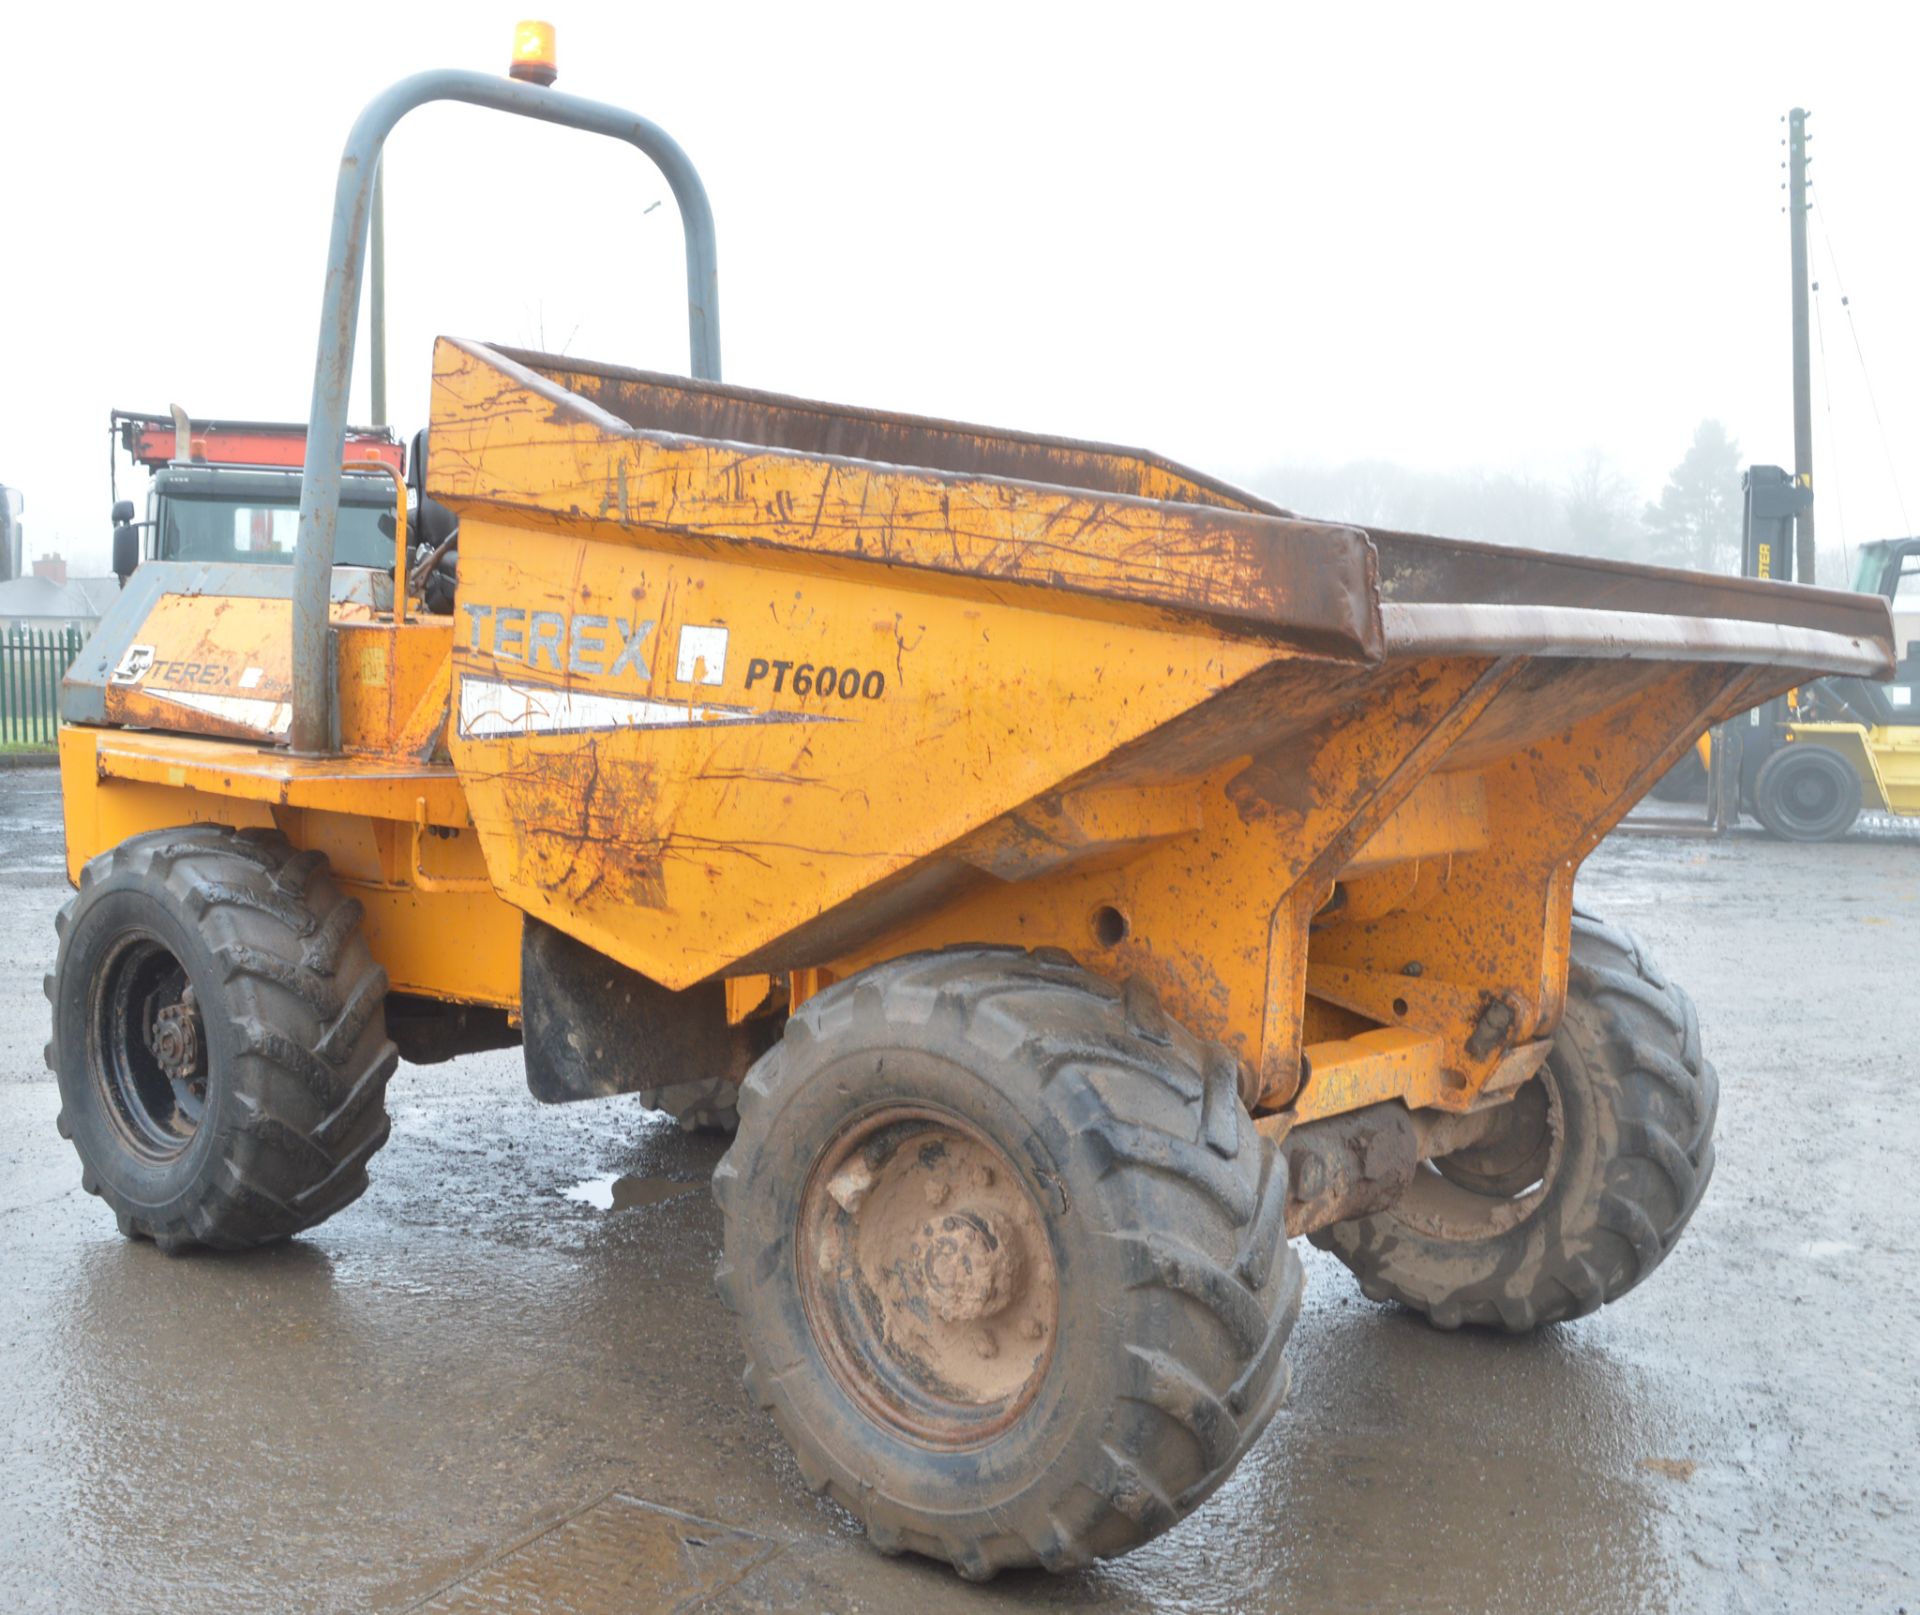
(1810, 760)
(1844, 744)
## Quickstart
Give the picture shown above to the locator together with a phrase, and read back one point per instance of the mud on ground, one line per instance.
(502, 1380)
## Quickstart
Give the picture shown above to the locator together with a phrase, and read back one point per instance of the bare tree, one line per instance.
(1600, 515)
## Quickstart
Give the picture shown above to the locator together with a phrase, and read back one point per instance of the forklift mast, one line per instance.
(1772, 503)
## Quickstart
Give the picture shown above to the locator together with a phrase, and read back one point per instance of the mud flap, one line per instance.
(595, 1028)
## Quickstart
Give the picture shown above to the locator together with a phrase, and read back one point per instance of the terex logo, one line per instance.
(586, 643)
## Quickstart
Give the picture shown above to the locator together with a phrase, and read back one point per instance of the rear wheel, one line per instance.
(706, 1105)
(1590, 1174)
(218, 1038)
(1807, 792)
(1686, 781)
(1008, 1256)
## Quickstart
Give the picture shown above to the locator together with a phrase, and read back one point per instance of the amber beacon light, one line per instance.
(534, 58)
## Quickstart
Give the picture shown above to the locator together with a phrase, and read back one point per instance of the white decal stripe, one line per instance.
(250, 711)
(491, 707)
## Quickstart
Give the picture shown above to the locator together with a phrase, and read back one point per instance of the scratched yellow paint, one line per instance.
(730, 813)
(461, 946)
(772, 717)
(222, 666)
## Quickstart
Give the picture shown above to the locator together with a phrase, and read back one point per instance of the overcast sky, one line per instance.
(1453, 236)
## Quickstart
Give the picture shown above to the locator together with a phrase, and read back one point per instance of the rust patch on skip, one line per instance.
(585, 819)
(1270, 783)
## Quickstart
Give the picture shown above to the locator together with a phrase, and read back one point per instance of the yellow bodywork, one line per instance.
(767, 714)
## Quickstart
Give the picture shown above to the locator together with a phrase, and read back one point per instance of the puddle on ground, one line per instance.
(613, 1191)
(620, 1554)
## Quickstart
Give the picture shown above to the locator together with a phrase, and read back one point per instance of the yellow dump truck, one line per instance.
(1079, 876)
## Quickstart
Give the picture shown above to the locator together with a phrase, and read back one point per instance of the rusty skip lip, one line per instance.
(1323, 588)
(1312, 585)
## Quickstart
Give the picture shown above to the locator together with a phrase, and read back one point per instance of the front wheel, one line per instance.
(1587, 1179)
(219, 1038)
(1008, 1256)
(1807, 792)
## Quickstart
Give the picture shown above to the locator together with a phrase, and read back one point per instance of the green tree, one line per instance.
(1696, 522)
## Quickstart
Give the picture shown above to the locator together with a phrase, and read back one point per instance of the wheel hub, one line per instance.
(1512, 1155)
(1498, 1183)
(928, 1276)
(971, 1267)
(175, 1040)
(1809, 793)
(147, 1047)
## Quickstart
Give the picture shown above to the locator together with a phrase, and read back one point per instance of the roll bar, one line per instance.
(312, 726)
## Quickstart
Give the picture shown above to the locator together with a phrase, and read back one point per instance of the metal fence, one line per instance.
(32, 663)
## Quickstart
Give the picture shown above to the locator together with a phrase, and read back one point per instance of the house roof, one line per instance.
(76, 600)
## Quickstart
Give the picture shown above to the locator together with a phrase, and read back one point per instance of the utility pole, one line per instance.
(1802, 363)
(11, 544)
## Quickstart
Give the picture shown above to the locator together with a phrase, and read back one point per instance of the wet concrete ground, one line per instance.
(501, 1381)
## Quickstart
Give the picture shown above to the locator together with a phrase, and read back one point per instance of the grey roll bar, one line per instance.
(312, 726)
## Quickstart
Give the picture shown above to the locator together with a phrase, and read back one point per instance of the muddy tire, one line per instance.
(1583, 1191)
(1008, 1256)
(219, 1038)
(708, 1105)
(1686, 781)
(1807, 792)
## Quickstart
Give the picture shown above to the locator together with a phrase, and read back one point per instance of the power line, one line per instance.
(1826, 388)
(1886, 445)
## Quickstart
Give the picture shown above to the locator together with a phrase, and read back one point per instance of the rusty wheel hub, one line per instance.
(175, 1040)
(928, 1276)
